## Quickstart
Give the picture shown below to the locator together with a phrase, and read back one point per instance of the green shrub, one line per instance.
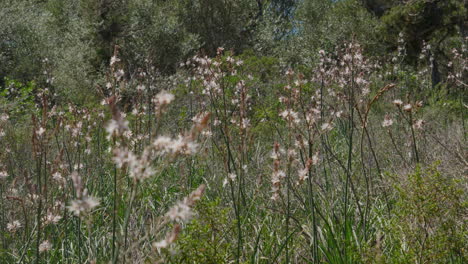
(205, 239)
(427, 225)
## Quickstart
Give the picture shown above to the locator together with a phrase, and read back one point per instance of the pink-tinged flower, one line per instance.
(315, 158)
(180, 145)
(51, 218)
(303, 174)
(290, 115)
(182, 211)
(232, 176)
(13, 226)
(3, 175)
(277, 176)
(45, 246)
(83, 206)
(419, 124)
(387, 121)
(170, 238)
(116, 127)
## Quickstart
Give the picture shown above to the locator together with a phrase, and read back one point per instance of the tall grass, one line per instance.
(307, 167)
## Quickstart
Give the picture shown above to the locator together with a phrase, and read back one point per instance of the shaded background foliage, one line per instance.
(78, 36)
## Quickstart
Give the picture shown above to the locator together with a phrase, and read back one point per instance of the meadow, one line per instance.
(238, 157)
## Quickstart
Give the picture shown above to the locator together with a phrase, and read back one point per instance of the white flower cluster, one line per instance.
(83, 206)
(13, 226)
(84, 203)
(181, 212)
(179, 145)
(45, 246)
(290, 115)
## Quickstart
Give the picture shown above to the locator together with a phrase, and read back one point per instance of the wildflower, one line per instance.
(182, 211)
(13, 226)
(225, 182)
(216, 122)
(207, 133)
(277, 176)
(365, 91)
(3, 175)
(118, 74)
(290, 115)
(4, 117)
(232, 176)
(170, 238)
(114, 60)
(45, 246)
(274, 155)
(164, 98)
(303, 174)
(116, 127)
(51, 218)
(292, 153)
(245, 123)
(326, 126)
(57, 176)
(407, 107)
(418, 124)
(397, 102)
(140, 168)
(387, 121)
(162, 143)
(315, 158)
(275, 196)
(83, 206)
(40, 131)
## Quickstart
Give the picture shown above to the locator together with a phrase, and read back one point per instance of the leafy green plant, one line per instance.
(19, 96)
(206, 238)
(427, 225)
